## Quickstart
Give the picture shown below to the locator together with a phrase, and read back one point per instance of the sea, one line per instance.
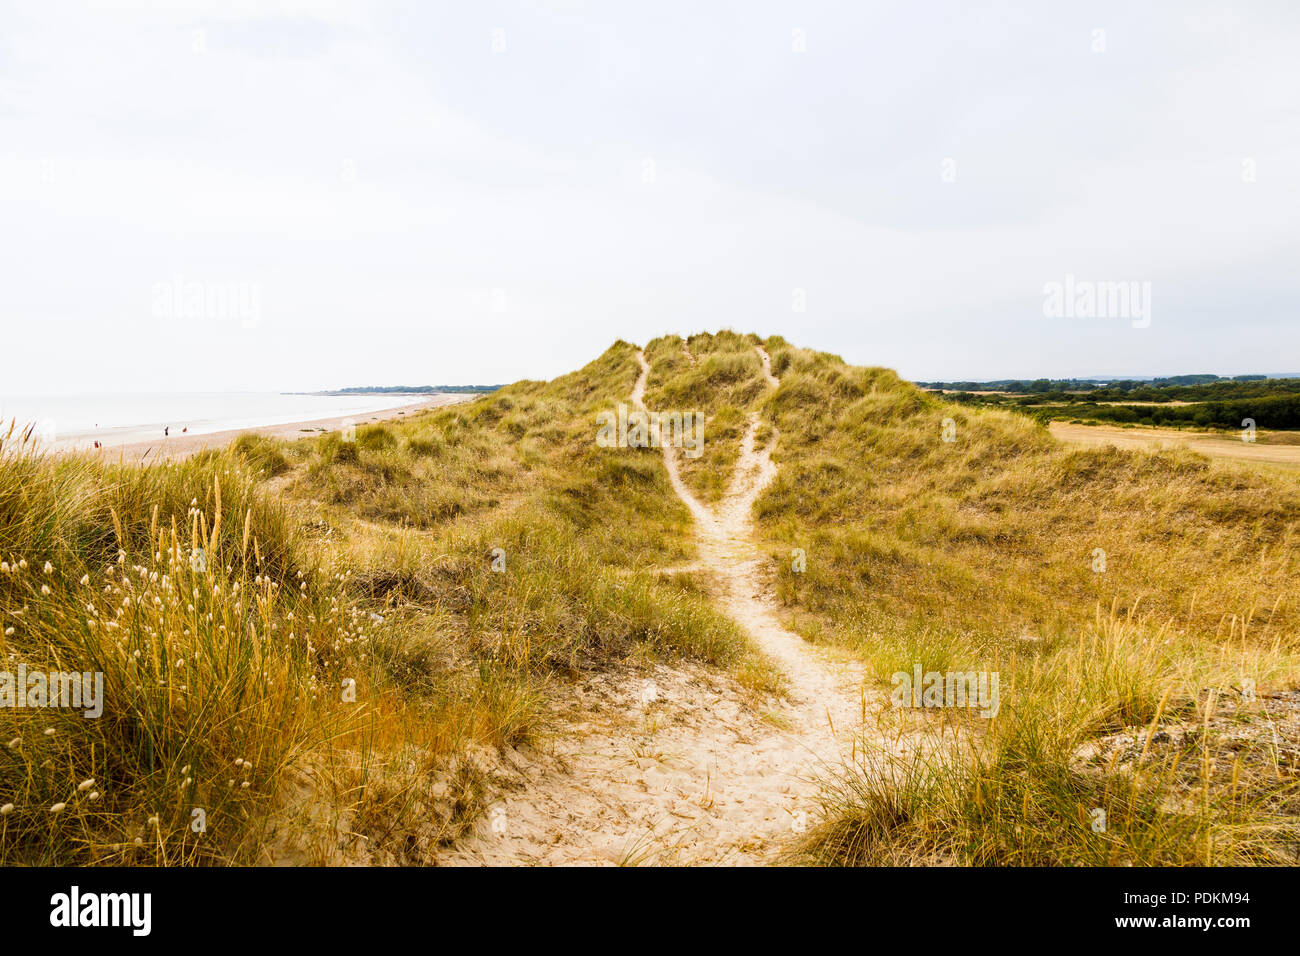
(78, 420)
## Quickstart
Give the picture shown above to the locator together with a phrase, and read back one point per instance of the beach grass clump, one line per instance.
(1118, 749)
(719, 376)
(208, 656)
(265, 456)
(72, 509)
(557, 605)
(1117, 594)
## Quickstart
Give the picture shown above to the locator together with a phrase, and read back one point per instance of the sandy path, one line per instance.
(827, 698)
(680, 765)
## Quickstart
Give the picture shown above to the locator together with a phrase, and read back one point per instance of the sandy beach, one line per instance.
(182, 445)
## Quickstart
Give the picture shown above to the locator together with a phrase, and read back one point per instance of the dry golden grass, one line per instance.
(985, 554)
(723, 382)
(373, 622)
(458, 567)
(1269, 449)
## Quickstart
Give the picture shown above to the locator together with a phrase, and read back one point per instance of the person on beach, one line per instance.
(166, 430)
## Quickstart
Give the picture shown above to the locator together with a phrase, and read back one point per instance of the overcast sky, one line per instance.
(480, 192)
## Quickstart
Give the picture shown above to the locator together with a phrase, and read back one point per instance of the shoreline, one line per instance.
(179, 446)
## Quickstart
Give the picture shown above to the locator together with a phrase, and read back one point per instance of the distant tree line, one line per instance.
(1044, 391)
(1279, 412)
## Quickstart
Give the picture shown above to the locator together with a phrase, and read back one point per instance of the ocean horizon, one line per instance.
(70, 420)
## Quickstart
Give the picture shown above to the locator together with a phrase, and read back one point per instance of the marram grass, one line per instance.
(371, 622)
